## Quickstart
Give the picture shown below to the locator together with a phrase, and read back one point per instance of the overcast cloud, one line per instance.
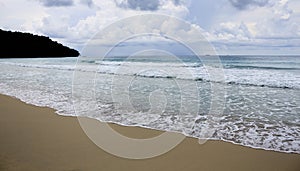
(244, 4)
(89, 3)
(57, 3)
(233, 26)
(144, 5)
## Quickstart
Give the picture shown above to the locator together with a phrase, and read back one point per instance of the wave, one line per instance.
(227, 130)
(261, 85)
(232, 76)
(261, 67)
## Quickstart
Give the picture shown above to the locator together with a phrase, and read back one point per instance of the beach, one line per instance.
(36, 138)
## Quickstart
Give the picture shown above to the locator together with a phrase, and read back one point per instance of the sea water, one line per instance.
(261, 106)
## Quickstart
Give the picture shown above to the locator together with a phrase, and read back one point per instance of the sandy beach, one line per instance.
(35, 138)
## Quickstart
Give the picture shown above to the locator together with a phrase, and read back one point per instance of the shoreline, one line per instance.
(36, 138)
(152, 129)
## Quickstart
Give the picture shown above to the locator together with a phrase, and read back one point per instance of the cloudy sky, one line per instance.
(232, 26)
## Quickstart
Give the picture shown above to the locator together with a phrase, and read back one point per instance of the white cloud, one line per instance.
(271, 25)
(107, 12)
(227, 22)
(14, 16)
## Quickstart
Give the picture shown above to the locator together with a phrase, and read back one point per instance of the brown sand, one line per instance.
(35, 138)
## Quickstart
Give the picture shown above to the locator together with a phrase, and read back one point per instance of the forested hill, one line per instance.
(27, 45)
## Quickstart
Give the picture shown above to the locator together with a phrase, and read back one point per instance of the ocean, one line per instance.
(257, 97)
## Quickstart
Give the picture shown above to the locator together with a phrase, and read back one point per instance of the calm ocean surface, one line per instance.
(261, 106)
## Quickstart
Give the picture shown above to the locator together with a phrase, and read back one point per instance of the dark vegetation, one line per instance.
(27, 45)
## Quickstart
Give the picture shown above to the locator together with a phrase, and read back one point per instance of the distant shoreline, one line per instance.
(38, 57)
(27, 45)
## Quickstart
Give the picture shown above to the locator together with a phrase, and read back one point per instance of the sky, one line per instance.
(250, 27)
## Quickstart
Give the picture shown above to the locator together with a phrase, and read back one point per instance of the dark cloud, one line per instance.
(89, 3)
(244, 4)
(57, 3)
(178, 2)
(144, 5)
